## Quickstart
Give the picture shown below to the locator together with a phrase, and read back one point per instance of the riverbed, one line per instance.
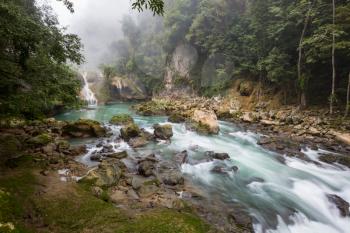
(288, 196)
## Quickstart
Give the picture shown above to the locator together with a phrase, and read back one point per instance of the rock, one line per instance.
(130, 131)
(138, 142)
(205, 121)
(147, 190)
(107, 149)
(268, 122)
(121, 119)
(218, 156)
(78, 150)
(172, 178)
(136, 182)
(106, 175)
(118, 196)
(264, 141)
(84, 128)
(341, 204)
(49, 149)
(96, 157)
(146, 168)
(40, 140)
(313, 131)
(182, 157)
(118, 155)
(126, 88)
(247, 117)
(342, 137)
(241, 219)
(164, 132)
(132, 194)
(176, 118)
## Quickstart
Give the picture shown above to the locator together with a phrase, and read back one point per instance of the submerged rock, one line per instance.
(138, 142)
(218, 156)
(164, 132)
(341, 204)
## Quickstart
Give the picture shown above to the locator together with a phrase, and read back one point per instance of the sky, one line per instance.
(97, 22)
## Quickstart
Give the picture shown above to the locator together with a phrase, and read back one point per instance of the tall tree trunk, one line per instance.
(301, 81)
(347, 99)
(332, 98)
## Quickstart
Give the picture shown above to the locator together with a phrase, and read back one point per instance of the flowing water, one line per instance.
(288, 197)
(87, 94)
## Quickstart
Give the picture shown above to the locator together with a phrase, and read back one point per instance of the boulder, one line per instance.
(342, 137)
(172, 178)
(40, 140)
(84, 128)
(341, 204)
(106, 174)
(218, 156)
(164, 132)
(118, 155)
(138, 142)
(146, 168)
(205, 121)
(121, 119)
(176, 118)
(130, 131)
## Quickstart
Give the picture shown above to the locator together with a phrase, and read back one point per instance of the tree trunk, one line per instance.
(347, 99)
(332, 98)
(301, 80)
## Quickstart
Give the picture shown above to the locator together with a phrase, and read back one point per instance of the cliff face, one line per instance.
(178, 69)
(126, 89)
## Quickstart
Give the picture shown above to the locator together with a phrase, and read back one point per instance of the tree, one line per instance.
(347, 99)
(332, 97)
(302, 80)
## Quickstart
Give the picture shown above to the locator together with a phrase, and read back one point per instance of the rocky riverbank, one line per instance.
(138, 186)
(287, 130)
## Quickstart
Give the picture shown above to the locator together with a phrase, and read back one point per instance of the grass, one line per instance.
(76, 209)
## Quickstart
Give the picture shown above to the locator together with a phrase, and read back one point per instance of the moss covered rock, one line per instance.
(10, 146)
(84, 128)
(107, 174)
(176, 118)
(121, 119)
(40, 140)
(164, 132)
(130, 131)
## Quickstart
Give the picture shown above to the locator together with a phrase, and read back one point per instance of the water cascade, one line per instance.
(87, 94)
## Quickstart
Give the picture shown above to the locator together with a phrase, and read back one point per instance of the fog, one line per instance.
(97, 22)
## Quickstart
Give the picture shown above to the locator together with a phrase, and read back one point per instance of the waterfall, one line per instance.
(87, 93)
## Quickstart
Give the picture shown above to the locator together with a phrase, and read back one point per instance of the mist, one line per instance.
(97, 23)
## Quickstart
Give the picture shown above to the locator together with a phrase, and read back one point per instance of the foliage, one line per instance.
(34, 52)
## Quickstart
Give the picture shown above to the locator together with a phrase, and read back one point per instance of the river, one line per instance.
(289, 197)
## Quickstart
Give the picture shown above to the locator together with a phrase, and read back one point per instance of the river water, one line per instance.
(289, 197)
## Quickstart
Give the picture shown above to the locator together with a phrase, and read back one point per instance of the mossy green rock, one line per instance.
(40, 140)
(176, 118)
(106, 175)
(121, 119)
(130, 131)
(163, 132)
(84, 128)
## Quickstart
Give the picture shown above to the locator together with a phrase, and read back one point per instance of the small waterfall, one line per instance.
(87, 93)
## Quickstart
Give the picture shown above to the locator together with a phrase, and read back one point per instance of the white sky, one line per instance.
(97, 22)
